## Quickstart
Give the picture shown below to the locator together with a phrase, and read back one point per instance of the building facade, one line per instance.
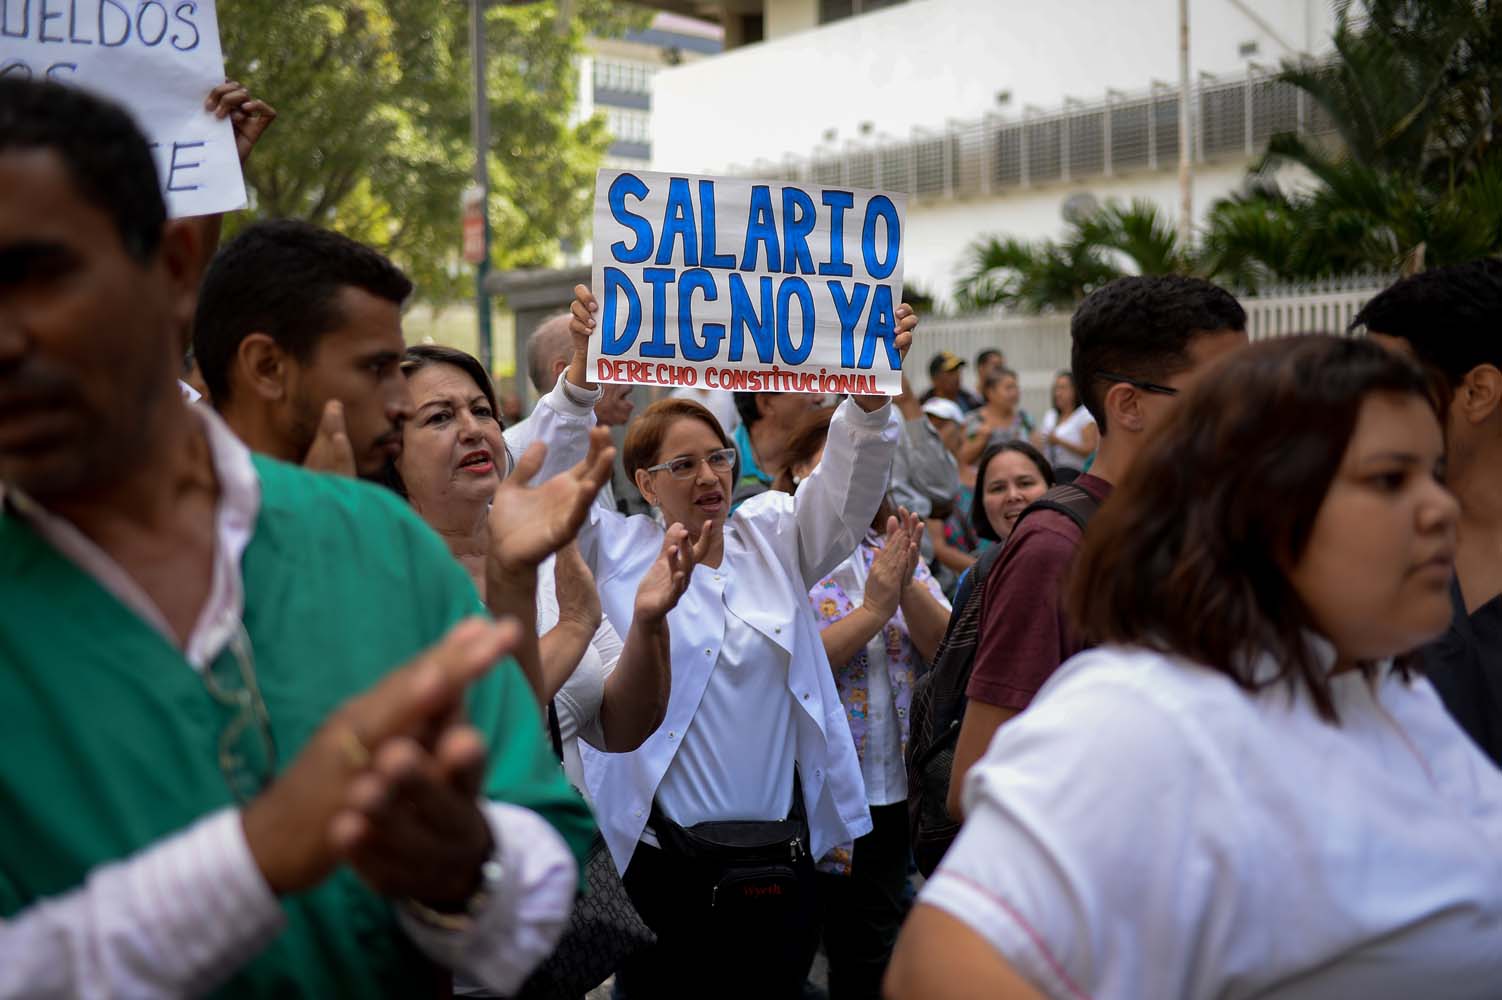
(991, 115)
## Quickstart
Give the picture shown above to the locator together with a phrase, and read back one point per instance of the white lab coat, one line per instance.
(776, 547)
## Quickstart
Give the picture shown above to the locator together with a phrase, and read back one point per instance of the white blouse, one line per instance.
(1071, 429)
(1147, 830)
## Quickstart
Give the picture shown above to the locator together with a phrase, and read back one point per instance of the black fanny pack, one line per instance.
(750, 868)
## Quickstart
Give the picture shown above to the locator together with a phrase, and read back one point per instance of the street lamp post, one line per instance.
(480, 129)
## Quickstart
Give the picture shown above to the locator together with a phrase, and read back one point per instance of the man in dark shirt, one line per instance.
(1450, 319)
(944, 373)
(1138, 343)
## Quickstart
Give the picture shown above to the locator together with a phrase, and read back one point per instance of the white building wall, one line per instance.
(939, 233)
(920, 63)
(917, 65)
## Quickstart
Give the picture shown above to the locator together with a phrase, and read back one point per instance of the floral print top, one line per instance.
(831, 603)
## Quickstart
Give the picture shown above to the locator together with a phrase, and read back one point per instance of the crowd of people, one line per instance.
(322, 678)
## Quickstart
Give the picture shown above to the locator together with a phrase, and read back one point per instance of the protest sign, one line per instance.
(733, 284)
(158, 58)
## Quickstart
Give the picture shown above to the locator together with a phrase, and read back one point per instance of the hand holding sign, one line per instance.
(739, 285)
(249, 117)
(583, 324)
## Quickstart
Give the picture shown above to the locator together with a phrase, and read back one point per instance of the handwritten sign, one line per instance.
(158, 58)
(758, 287)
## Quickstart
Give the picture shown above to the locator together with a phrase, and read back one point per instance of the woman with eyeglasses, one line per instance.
(716, 819)
(1244, 789)
(453, 463)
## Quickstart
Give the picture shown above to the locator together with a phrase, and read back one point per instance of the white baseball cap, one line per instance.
(944, 409)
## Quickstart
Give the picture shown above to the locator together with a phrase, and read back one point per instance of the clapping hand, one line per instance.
(894, 565)
(667, 578)
(389, 783)
(529, 523)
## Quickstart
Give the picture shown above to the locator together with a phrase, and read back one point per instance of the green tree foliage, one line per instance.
(1412, 176)
(373, 137)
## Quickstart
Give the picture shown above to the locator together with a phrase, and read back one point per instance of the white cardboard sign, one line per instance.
(158, 58)
(754, 286)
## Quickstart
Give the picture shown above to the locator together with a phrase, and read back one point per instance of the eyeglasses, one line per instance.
(684, 467)
(247, 748)
(1162, 390)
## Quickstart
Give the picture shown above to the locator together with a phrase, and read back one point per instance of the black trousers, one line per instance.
(863, 910)
(702, 953)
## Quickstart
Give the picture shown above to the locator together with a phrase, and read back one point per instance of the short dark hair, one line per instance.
(978, 518)
(106, 155)
(745, 406)
(1191, 556)
(986, 355)
(1450, 316)
(1141, 326)
(421, 356)
(283, 279)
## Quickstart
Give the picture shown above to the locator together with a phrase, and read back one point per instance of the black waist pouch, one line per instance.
(744, 870)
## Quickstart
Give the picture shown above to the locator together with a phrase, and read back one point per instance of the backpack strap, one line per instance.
(1066, 498)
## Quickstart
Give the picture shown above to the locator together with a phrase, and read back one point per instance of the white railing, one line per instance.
(1037, 347)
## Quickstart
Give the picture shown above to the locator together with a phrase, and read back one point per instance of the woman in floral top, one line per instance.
(881, 612)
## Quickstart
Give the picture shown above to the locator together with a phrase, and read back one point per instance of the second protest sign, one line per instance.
(744, 285)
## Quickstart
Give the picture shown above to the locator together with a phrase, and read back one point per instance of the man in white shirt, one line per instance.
(178, 617)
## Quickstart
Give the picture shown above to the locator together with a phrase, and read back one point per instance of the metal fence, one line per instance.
(1231, 119)
(1037, 347)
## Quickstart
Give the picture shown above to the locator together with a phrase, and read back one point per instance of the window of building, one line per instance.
(624, 77)
(628, 125)
(835, 10)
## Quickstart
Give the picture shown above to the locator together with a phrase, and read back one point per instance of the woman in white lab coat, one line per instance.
(714, 832)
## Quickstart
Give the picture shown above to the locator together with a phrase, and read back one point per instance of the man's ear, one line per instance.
(644, 486)
(1123, 404)
(182, 257)
(1480, 394)
(261, 368)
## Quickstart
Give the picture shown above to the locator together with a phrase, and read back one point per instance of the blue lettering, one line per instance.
(48, 15)
(25, 28)
(617, 285)
(697, 348)
(658, 347)
(678, 223)
(623, 185)
(118, 8)
(849, 310)
(177, 12)
(881, 207)
(764, 330)
(798, 220)
(706, 226)
(838, 202)
(761, 228)
(794, 288)
(141, 23)
(174, 166)
(73, 25)
(882, 326)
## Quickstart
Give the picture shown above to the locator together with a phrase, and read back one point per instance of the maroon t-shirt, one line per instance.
(1023, 635)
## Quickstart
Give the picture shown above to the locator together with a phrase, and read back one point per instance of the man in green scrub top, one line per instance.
(252, 744)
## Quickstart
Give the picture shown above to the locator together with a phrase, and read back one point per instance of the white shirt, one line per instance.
(776, 548)
(578, 701)
(1147, 830)
(1072, 429)
(720, 402)
(519, 437)
(122, 933)
(736, 758)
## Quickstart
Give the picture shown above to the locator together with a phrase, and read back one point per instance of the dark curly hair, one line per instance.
(1192, 553)
(1141, 326)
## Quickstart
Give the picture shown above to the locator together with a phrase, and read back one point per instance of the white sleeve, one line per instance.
(176, 919)
(562, 420)
(525, 914)
(835, 504)
(1099, 853)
